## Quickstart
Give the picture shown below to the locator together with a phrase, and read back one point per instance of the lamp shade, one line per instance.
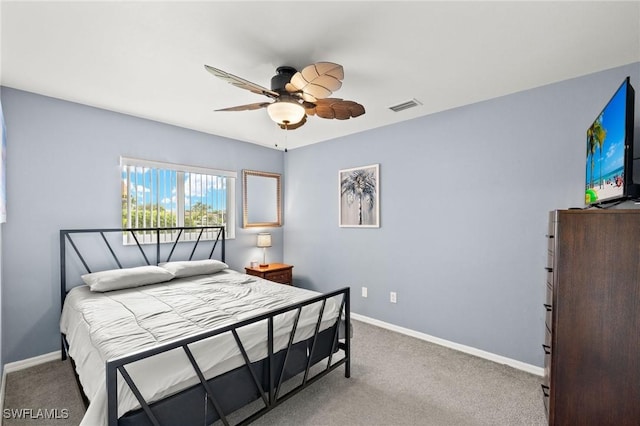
(264, 239)
(286, 112)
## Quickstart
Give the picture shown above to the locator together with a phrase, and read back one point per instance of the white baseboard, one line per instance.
(31, 362)
(21, 365)
(538, 371)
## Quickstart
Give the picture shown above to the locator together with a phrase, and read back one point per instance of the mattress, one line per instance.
(104, 326)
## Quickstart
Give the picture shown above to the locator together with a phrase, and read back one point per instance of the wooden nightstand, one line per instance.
(278, 272)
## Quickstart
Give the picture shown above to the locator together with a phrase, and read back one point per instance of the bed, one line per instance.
(161, 332)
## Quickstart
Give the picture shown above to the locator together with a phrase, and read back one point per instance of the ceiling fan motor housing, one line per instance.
(282, 77)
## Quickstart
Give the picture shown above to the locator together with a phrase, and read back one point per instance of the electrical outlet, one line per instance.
(392, 297)
(364, 292)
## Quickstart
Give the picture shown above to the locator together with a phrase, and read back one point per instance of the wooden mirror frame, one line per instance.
(248, 221)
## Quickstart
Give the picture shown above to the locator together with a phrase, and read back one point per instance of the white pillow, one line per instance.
(187, 268)
(117, 279)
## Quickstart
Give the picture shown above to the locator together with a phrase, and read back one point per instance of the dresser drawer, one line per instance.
(546, 391)
(551, 244)
(550, 277)
(548, 317)
(553, 220)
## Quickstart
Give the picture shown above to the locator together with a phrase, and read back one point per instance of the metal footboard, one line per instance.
(271, 395)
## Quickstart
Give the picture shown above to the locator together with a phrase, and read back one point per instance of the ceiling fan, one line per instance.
(297, 94)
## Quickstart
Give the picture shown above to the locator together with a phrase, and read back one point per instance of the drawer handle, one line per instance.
(547, 349)
(547, 307)
(545, 390)
(549, 236)
(549, 269)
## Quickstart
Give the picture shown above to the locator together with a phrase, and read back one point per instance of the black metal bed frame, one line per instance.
(266, 376)
(65, 235)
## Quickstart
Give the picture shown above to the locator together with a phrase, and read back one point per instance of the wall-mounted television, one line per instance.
(609, 165)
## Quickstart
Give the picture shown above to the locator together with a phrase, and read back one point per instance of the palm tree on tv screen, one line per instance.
(596, 134)
(600, 134)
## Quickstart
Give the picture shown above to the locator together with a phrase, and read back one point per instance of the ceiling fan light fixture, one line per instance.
(286, 112)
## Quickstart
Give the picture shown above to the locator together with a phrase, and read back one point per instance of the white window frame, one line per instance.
(180, 170)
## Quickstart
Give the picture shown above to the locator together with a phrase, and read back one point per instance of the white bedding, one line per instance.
(103, 326)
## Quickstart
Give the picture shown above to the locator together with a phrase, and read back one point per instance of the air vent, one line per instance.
(405, 105)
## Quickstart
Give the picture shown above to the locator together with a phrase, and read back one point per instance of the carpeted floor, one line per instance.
(44, 395)
(395, 380)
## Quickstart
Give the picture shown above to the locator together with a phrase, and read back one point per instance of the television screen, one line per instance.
(606, 145)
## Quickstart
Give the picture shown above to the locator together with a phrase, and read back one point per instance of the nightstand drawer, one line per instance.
(282, 277)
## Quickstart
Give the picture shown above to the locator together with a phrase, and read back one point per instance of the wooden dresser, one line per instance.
(278, 272)
(592, 344)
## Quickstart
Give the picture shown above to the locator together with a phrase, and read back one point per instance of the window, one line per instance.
(156, 194)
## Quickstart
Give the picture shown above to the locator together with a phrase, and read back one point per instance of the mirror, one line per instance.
(261, 199)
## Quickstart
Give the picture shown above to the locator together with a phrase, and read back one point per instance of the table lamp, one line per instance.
(264, 241)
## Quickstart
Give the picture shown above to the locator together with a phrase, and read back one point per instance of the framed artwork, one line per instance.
(261, 199)
(359, 197)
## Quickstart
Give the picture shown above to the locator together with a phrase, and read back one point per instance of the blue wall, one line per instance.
(63, 172)
(464, 200)
(465, 196)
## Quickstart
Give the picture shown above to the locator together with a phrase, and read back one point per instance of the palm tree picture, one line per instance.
(359, 197)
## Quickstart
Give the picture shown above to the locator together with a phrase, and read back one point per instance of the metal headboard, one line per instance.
(160, 239)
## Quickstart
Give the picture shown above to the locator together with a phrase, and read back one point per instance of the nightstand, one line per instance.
(278, 272)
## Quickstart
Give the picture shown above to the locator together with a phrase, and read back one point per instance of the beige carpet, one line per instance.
(395, 380)
(44, 395)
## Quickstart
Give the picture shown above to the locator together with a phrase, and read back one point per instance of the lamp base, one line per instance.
(263, 265)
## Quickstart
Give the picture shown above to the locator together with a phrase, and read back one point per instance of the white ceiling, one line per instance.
(147, 58)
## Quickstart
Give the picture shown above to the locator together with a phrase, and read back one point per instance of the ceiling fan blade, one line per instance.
(318, 80)
(247, 107)
(241, 82)
(293, 126)
(300, 94)
(335, 108)
(291, 88)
